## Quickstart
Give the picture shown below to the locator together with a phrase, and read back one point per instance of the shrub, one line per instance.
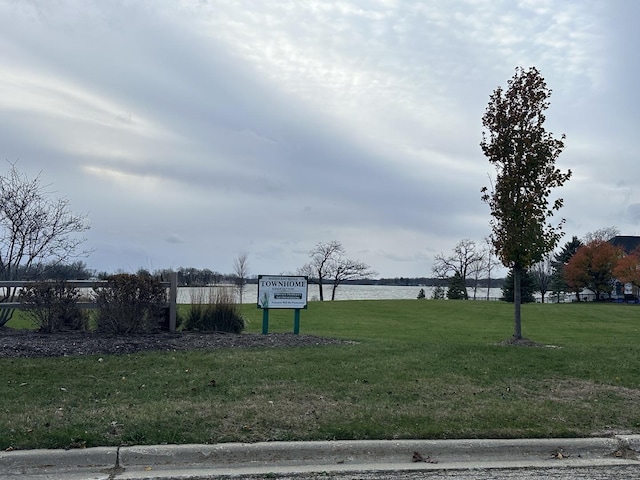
(421, 294)
(131, 304)
(53, 306)
(216, 313)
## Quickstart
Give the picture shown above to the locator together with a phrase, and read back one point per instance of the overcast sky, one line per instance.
(191, 131)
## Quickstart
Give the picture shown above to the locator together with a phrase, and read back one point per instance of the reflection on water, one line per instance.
(344, 292)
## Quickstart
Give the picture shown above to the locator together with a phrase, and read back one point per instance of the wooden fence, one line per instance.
(171, 285)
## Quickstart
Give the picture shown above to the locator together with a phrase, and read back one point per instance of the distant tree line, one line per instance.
(54, 271)
(429, 282)
(196, 277)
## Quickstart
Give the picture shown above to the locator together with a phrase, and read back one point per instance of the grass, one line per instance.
(418, 369)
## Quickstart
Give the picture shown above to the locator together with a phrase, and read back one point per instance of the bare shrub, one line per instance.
(131, 304)
(53, 306)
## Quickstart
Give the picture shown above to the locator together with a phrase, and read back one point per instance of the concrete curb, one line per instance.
(185, 461)
(359, 452)
(45, 462)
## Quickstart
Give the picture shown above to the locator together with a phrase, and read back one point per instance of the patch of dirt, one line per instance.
(520, 342)
(577, 391)
(29, 344)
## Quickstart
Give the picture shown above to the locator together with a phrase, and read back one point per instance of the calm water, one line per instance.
(344, 292)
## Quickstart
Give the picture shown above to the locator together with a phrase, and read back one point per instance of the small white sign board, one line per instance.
(282, 291)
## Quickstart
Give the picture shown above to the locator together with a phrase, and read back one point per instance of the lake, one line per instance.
(344, 292)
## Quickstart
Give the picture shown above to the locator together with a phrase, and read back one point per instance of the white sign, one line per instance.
(282, 291)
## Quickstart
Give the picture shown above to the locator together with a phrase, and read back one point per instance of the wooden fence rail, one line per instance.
(171, 285)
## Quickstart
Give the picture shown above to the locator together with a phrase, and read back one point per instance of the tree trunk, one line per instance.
(320, 289)
(489, 276)
(517, 302)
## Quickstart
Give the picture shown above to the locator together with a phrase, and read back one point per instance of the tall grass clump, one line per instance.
(214, 310)
(53, 306)
(131, 304)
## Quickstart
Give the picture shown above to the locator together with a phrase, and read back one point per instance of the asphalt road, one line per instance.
(607, 472)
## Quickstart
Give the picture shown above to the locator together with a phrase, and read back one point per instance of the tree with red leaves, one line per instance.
(628, 268)
(592, 267)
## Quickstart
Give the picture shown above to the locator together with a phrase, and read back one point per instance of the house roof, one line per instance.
(627, 242)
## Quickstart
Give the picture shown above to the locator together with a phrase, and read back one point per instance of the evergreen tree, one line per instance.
(527, 287)
(438, 293)
(558, 283)
(456, 289)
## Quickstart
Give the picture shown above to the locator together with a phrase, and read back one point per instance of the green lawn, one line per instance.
(417, 369)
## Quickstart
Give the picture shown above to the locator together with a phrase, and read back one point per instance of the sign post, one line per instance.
(296, 321)
(283, 292)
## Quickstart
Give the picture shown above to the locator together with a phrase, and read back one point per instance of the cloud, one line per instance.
(193, 130)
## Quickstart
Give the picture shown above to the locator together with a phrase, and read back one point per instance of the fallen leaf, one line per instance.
(559, 454)
(417, 457)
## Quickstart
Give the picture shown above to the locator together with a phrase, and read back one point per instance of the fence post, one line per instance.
(173, 300)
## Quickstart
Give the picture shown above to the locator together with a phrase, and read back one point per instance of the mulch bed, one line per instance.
(30, 344)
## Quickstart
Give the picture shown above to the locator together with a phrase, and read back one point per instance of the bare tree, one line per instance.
(328, 263)
(601, 235)
(34, 230)
(542, 273)
(477, 268)
(320, 267)
(344, 269)
(492, 262)
(464, 256)
(241, 270)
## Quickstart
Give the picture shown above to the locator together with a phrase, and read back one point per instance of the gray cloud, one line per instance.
(193, 131)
